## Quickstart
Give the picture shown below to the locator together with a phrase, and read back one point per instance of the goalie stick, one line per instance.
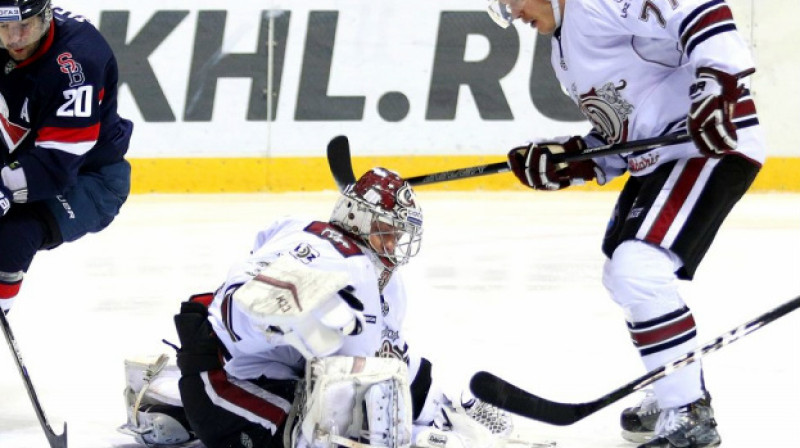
(55, 440)
(500, 393)
(339, 160)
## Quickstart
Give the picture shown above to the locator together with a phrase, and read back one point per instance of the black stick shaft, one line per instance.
(55, 440)
(498, 392)
(341, 167)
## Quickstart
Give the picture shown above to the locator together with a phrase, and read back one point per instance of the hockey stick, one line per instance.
(55, 440)
(339, 160)
(504, 395)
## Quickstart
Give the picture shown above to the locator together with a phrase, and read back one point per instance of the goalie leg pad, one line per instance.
(155, 377)
(160, 425)
(153, 405)
(366, 400)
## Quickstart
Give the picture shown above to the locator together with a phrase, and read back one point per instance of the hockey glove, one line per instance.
(533, 165)
(714, 95)
(309, 309)
(5, 200)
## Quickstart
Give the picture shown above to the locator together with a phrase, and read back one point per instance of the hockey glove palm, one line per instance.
(534, 167)
(714, 95)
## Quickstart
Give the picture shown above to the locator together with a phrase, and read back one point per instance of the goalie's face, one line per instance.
(394, 241)
(381, 210)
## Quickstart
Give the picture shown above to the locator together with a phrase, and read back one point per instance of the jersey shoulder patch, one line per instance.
(341, 242)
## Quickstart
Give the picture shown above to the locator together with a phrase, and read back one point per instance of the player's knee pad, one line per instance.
(199, 350)
(641, 279)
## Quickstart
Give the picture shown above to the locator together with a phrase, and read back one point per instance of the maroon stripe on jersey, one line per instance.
(677, 198)
(227, 320)
(744, 109)
(244, 399)
(708, 20)
(69, 135)
(9, 290)
(663, 333)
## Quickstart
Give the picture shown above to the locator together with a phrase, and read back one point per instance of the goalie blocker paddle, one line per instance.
(339, 160)
(500, 393)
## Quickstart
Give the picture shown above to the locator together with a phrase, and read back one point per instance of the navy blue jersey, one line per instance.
(58, 108)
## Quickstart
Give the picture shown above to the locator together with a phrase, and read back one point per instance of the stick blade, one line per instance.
(56, 440)
(499, 392)
(339, 162)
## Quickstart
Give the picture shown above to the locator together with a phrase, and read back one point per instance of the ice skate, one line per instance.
(692, 425)
(639, 422)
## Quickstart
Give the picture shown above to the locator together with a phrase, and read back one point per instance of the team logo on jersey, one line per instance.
(13, 134)
(642, 162)
(305, 253)
(71, 68)
(388, 350)
(608, 111)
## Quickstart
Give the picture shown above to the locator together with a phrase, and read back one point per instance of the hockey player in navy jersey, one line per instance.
(62, 150)
(639, 69)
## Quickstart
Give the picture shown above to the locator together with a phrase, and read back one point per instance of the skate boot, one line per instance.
(689, 426)
(639, 422)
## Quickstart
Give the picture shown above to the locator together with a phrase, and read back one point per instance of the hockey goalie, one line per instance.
(303, 347)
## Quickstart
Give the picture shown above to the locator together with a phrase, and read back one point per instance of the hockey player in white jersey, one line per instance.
(303, 345)
(639, 69)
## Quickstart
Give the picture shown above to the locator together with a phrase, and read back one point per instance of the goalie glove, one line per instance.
(312, 310)
(534, 167)
(714, 95)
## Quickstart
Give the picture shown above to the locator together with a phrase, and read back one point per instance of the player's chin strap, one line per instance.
(556, 12)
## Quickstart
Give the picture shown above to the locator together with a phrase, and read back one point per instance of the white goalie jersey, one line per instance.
(628, 66)
(319, 246)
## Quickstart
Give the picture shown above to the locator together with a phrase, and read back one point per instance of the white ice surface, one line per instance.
(506, 282)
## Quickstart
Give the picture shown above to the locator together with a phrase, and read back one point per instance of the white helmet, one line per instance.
(380, 210)
(500, 12)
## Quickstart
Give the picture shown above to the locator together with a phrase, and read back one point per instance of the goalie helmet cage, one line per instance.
(505, 395)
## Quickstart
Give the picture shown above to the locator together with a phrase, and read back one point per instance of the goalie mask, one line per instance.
(23, 23)
(381, 211)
